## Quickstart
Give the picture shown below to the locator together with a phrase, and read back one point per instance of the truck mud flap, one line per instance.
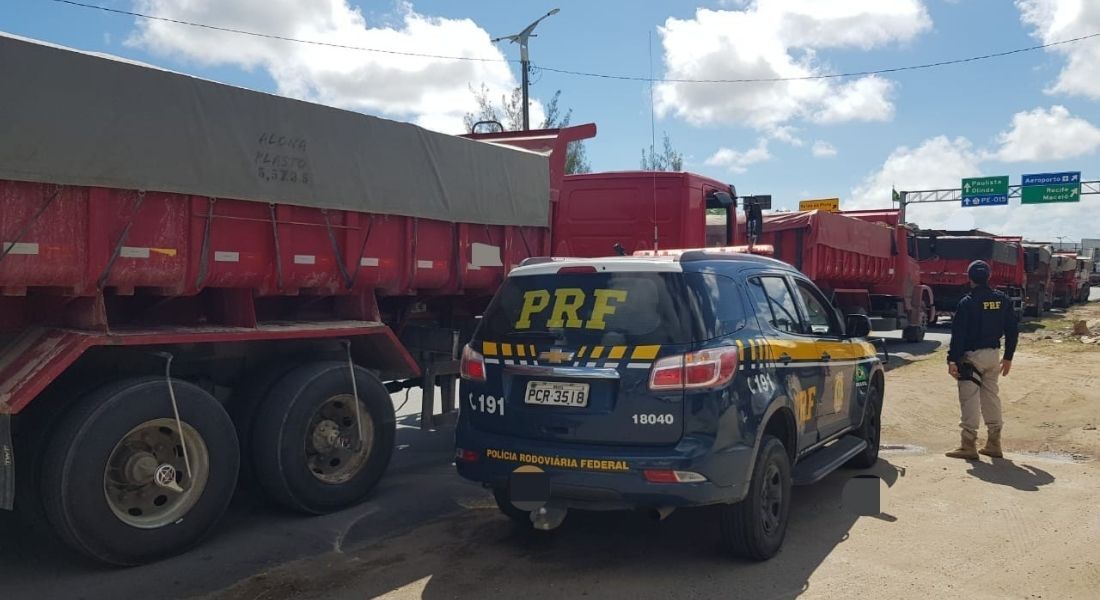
(7, 465)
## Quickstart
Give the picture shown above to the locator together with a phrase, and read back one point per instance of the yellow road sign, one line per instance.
(829, 204)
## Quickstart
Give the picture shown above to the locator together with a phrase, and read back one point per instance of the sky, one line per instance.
(852, 137)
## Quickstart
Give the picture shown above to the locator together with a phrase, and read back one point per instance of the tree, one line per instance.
(668, 160)
(509, 113)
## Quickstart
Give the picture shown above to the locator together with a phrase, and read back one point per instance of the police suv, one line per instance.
(656, 382)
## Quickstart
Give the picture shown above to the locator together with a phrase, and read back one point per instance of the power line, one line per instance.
(650, 79)
(274, 36)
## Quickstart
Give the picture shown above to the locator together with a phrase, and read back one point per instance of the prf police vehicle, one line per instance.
(656, 382)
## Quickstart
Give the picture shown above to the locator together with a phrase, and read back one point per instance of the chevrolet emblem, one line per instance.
(556, 356)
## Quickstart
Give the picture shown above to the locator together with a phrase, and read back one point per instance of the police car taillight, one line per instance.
(472, 366)
(695, 370)
(670, 476)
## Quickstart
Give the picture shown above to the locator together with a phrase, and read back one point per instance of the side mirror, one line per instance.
(858, 325)
(719, 199)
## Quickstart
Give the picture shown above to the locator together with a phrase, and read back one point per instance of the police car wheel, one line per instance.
(870, 431)
(755, 527)
(309, 452)
(504, 504)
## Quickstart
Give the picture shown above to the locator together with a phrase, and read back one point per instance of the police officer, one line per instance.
(982, 318)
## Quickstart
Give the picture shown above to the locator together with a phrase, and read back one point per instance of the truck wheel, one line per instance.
(248, 396)
(754, 527)
(870, 431)
(306, 449)
(913, 334)
(117, 484)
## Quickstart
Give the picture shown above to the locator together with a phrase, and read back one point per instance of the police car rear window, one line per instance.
(613, 308)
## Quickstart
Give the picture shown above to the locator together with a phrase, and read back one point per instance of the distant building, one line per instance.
(1090, 247)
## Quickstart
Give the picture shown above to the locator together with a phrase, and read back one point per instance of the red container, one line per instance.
(75, 241)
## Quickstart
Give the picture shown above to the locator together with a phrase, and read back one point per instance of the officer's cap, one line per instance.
(978, 271)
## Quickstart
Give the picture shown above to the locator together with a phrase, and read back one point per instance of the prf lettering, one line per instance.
(566, 305)
(804, 401)
(992, 305)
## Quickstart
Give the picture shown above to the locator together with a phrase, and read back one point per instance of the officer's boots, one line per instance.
(993, 444)
(967, 447)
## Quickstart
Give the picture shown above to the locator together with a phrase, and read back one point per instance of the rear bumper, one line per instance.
(616, 481)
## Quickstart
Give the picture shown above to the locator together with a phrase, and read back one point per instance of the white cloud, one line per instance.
(1058, 20)
(865, 99)
(823, 149)
(738, 161)
(1047, 134)
(780, 39)
(787, 134)
(433, 92)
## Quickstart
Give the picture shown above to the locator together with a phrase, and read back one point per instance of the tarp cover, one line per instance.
(73, 118)
(967, 248)
(836, 231)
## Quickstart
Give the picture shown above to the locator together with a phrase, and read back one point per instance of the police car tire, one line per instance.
(520, 517)
(741, 525)
(279, 436)
(870, 430)
(75, 462)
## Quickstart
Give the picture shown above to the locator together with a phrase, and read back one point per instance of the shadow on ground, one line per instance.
(480, 554)
(1005, 472)
(897, 353)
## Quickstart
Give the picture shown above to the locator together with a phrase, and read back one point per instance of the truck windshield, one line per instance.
(623, 308)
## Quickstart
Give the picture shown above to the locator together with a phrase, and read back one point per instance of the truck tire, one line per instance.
(115, 477)
(754, 528)
(913, 334)
(248, 395)
(870, 430)
(305, 438)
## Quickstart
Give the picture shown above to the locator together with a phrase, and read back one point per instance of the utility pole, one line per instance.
(525, 64)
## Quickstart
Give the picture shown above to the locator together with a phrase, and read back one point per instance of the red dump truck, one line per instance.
(1037, 289)
(863, 259)
(195, 276)
(196, 279)
(944, 257)
(1070, 279)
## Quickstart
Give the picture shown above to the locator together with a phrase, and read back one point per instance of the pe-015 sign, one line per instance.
(985, 191)
(1043, 188)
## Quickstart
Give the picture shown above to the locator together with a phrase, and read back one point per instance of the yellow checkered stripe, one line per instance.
(640, 356)
(758, 352)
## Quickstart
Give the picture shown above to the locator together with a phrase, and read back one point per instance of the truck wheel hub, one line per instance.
(334, 450)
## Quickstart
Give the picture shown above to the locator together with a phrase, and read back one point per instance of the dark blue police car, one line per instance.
(699, 378)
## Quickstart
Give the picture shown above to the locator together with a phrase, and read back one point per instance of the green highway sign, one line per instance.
(1051, 187)
(985, 191)
(1050, 193)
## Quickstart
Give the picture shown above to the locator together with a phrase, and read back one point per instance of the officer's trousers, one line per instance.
(981, 402)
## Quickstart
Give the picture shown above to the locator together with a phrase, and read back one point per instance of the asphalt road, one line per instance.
(419, 487)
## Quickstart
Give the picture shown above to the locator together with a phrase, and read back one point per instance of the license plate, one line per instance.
(556, 393)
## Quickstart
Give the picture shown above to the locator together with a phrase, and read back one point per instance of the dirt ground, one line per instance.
(1021, 527)
(1050, 399)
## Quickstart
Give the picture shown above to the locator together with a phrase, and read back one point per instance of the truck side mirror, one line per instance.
(719, 199)
(858, 325)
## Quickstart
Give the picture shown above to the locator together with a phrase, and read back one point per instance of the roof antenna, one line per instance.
(619, 250)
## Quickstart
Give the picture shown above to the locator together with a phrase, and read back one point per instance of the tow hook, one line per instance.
(548, 517)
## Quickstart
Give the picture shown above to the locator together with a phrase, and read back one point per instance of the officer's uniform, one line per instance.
(982, 318)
